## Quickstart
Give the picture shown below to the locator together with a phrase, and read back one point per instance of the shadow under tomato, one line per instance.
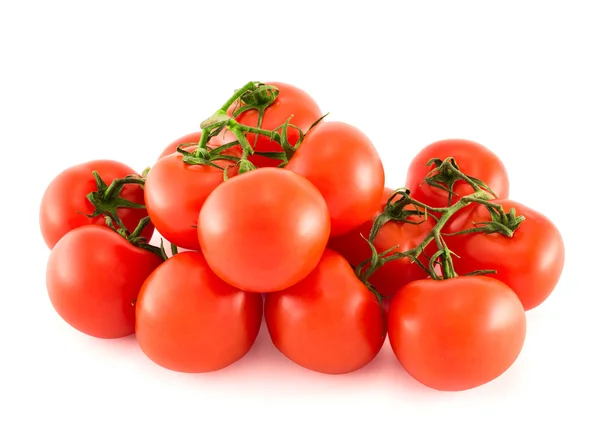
(265, 365)
(127, 343)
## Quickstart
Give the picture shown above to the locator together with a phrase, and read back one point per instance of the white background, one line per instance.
(120, 80)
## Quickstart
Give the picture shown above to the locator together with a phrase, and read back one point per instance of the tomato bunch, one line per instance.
(284, 215)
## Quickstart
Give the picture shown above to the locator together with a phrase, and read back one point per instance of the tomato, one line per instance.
(192, 139)
(456, 334)
(344, 165)
(189, 320)
(473, 159)
(530, 262)
(64, 202)
(404, 236)
(93, 278)
(329, 322)
(264, 230)
(175, 192)
(290, 101)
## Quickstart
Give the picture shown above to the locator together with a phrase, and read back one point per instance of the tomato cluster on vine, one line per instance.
(272, 211)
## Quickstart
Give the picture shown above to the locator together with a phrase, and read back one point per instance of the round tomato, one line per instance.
(192, 139)
(175, 191)
(473, 159)
(329, 322)
(530, 262)
(64, 204)
(344, 165)
(403, 236)
(291, 101)
(189, 320)
(264, 230)
(456, 334)
(93, 278)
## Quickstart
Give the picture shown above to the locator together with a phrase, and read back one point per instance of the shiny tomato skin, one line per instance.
(291, 101)
(473, 159)
(175, 192)
(193, 139)
(404, 236)
(264, 230)
(64, 202)
(189, 320)
(93, 278)
(456, 334)
(530, 263)
(353, 189)
(329, 322)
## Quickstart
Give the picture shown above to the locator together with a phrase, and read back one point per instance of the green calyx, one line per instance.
(501, 222)
(446, 173)
(401, 210)
(107, 198)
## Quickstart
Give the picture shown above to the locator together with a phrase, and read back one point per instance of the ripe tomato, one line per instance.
(474, 160)
(264, 230)
(530, 262)
(93, 278)
(397, 273)
(344, 165)
(189, 320)
(175, 192)
(456, 334)
(329, 322)
(64, 202)
(193, 139)
(290, 101)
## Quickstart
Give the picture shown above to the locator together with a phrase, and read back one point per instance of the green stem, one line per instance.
(434, 234)
(443, 176)
(244, 164)
(271, 134)
(259, 121)
(140, 227)
(204, 138)
(446, 263)
(252, 96)
(114, 189)
(246, 147)
(220, 116)
(249, 86)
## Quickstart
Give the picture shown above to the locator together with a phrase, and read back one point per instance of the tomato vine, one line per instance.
(445, 174)
(253, 96)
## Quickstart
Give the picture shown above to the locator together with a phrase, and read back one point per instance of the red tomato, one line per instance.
(344, 165)
(329, 322)
(64, 202)
(530, 262)
(474, 160)
(189, 320)
(290, 101)
(397, 273)
(264, 230)
(93, 278)
(193, 139)
(175, 192)
(456, 334)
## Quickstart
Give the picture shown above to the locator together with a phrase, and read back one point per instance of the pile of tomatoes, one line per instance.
(273, 211)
